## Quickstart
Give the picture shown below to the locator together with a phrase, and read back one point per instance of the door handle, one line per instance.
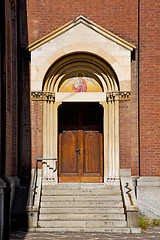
(78, 150)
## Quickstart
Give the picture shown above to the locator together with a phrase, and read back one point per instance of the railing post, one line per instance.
(34, 199)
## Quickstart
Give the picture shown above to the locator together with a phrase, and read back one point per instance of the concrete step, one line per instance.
(81, 224)
(81, 210)
(81, 217)
(80, 198)
(94, 230)
(78, 186)
(80, 192)
(83, 204)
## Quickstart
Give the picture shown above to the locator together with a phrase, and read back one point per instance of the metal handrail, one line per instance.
(33, 187)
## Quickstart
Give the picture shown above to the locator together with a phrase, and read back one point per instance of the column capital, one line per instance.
(118, 95)
(42, 96)
(112, 96)
(125, 95)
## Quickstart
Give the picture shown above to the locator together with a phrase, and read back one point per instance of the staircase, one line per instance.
(82, 207)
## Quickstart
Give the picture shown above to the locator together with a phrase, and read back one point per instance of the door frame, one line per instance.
(110, 135)
(80, 127)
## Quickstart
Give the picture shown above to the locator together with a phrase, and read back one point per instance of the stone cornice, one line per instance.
(86, 22)
(42, 96)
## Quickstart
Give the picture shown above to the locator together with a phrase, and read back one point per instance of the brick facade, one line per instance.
(136, 23)
(36, 130)
(21, 120)
(128, 21)
(149, 87)
(119, 17)
(111, 15)
(9, 95)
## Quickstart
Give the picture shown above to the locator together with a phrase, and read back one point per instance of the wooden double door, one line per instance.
(80, 143)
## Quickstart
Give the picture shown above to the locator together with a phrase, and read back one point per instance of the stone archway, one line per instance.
(107, 95)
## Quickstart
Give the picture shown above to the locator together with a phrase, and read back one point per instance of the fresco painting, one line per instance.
(80, 82)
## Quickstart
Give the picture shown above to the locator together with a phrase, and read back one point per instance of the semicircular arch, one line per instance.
(90, 64)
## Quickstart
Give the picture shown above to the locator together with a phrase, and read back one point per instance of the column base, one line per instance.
(111, 180)
(48, 181)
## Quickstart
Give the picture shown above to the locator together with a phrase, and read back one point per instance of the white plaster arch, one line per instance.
(81, 35)
(88, 62)
(38, 71)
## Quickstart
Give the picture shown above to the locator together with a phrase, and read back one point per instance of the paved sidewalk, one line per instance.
(153, 233)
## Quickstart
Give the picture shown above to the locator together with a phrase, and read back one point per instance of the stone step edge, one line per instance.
(79, 213)
(94, 230)
(89, 208)
(81, 186)
(80, 195)
(82, 224)
(70, 217)
(83, 214)
(85, 200)
(81, 220)
(43, 205)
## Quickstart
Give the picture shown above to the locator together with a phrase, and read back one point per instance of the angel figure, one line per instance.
(80, 82)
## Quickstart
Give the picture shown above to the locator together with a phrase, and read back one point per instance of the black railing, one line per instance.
(33, 186)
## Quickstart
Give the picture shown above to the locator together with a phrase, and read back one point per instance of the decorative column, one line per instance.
(116, 132)
(49, 166)
(111, 138)
(54, 121)
(105, 139)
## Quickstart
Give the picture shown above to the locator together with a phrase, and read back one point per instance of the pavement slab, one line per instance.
(151, 233)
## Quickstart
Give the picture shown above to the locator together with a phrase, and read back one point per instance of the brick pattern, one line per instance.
(36, 130)
(125, 134)
(14, 92)
(119, 17)
(149, 85)
(0, 103)
(134, 118)
(25, 115)
(109, 14)
(10, 101)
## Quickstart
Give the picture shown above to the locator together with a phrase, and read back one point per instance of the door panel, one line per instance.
(68, 142)
(91, 160)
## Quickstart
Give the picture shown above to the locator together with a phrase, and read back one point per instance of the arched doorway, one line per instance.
(80, 145)
(82, 81)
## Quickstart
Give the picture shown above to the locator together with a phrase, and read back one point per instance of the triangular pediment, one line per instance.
(81, 20)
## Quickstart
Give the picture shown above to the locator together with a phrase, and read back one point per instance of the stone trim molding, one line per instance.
(50, 96)
(87, 22)
(42, 96)
(125, 95)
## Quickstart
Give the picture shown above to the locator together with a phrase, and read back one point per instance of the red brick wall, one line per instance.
(125, 134)
(24, 96)
(14, 91)
(36, 130)
(134, 118)
(0, 100)
(8, 91)
(11, 108)
(149, 85)
(119, 17)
